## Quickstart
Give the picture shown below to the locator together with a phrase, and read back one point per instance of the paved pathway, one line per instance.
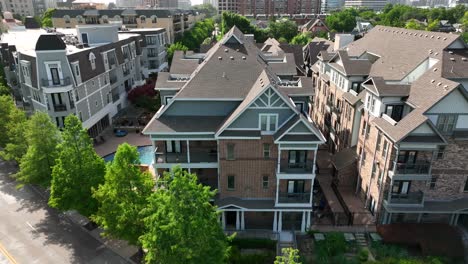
(31, 232)
(112, 142)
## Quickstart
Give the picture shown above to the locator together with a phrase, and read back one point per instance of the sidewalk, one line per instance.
(119, 247)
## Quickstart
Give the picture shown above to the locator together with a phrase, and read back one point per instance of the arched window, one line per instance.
(105, 19)
(117, 18)
(154, 19)
(79, 19)
(142, 19)
(92, 60)
(67, 19)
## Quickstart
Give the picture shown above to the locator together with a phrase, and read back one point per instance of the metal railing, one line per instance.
(413, 168)
(299, 167)
(286, 197)
(59, 82)
(60, 107)
(113, 79)
(408, 198)
(207, 156)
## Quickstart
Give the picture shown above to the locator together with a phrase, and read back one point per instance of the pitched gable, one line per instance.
(269, 99)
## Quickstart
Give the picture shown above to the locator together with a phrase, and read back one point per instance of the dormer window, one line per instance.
(79, 19)
(394, 111)
(446, 123)
(67, 19)
(92, 60)
(142, 19)
(154, 19)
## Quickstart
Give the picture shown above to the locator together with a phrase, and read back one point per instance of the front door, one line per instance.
(84, 37)
(297, 158)
(230, 219)
(401, 187)
(55, 76)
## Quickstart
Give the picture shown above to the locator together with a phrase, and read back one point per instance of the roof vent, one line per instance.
(445, 38)
(437, 53)
(452, 59)
(450, 52)
(224, 74)
(464, 59)
(435, 69)
(237, 50)
(445, 86)
(226, 50)
(244, 58)
(438, 37)
(432, 81)
(432, 36)
(232, 58)
(220, 58)
(425, 35)
(439, 84)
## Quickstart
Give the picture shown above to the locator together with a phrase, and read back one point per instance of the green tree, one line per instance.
(343, 21)
(414, 24)
(290, 256)
(6, 107)
(302, 39)
(78, 170)
(433, 26)
(182, 225)
(123, 195)
(286, 29)
(230, 19)
(207, 9)
(16, 145)
(46, 18)
(42, 138)
(464, 21)
(111, 5)
(172, 48)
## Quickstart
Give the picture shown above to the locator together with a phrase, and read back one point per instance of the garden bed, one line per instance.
(252, 251)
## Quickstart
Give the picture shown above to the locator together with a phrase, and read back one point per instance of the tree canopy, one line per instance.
(302, 39)
(343, 21)
(208, 9)
(42, 138)
(230, 19)
(284, 28)
(46, 18)
(182, 225)
(289, 256)
(78, 170)
(123, 195)
(172, 48)
(195, 36)
(13, 120)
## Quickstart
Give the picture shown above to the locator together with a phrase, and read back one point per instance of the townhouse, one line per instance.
(85, 71)
(237, 117)
(174, 21)
(393, 106)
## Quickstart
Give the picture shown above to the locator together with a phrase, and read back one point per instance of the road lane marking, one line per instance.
(32, 227)
(7, 254)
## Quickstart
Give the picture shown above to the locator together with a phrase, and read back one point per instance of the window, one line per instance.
(440, 152)
(265, 182)
(433, 182)
(466, 186)
(230, 152)
(167, 99)
(67, 19)
(266, 151)
(356, 86)
(394, 111)
(231, 182)
(375, 170)
(268, 122)
(154, 19)
(142, 19)
(92, 60)
(446, 123)
(79, 19)
(367, 131)
(385, 148)
(363, 157)
(379, 137)
(363, 131)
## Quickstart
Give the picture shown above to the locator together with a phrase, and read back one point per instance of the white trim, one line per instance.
(239, 137)
(298, 148)
(182, 133)
(290, 176)
(305, 205)
(198, 165)
(221, 209)
(268, 115)
(191, 139)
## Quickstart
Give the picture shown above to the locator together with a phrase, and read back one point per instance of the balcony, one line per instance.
(182, 157)
(336, 111)
(285, 197)
(113, 79)
(60, 107)
(296, 168)
(411, 198)
(56, 83)
(411, 171)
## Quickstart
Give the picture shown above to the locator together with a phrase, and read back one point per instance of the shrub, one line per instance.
(363, 255)
(254, 243)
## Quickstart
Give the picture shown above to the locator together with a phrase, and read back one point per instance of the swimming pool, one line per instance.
(146, 155)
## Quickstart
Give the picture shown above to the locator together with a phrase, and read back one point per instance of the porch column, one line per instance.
(280, 221)
(237, 220)
(279, 160)
(315, 160)
(452, 218)
(242, 220)
(308, 219)
(154, 151)
(275, 221)
(223, 220)
(312, 190)
(389, 220)
(455, 221)
(188, 151)
(419, 217)
(277, 190)
(303, 222)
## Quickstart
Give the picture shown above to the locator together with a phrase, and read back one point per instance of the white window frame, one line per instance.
(92, 60)
(268, 131)
(167, 99)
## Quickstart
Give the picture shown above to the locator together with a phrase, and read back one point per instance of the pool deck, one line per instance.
(112, 142)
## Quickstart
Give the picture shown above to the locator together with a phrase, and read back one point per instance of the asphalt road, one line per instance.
(31, 232)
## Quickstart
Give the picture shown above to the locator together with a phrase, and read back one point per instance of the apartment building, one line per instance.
(85, 71)
(237, 117)
(269, 7)
(18, 7)
(376, 5)
(393, 106)
(175, 22)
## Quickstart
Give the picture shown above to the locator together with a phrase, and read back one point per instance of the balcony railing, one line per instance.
(59, 82)
(299, 167)
(60, 107)
(181, 157)
(285, 197)
(412, 198)
(416, 168)
(113, 79)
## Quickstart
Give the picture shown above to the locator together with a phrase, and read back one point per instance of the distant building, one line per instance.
(176, 22)
(87, 4)
(11, 24)
(86, 71)
(327, 6)
(375, 5)
(23, 8)
(129, 3)
(315, 27)
(269, 7)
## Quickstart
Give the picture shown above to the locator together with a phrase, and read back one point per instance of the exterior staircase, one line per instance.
(361, 239)
(286, 240)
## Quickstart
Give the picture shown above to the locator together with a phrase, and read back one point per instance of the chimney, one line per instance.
(342, 40)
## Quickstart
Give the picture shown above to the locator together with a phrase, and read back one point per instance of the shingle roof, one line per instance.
(344, 158)
(352, 67)
(397, 60)
(455, 64)
(240, 133)
(182, 65)
(164, 82)
(177, 124)
(50, 42)
(378, 86)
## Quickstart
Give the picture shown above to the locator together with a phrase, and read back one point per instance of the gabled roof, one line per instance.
(315, 136)
(350, 66)
(377, 86)
(455, 63)
(50, 42)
